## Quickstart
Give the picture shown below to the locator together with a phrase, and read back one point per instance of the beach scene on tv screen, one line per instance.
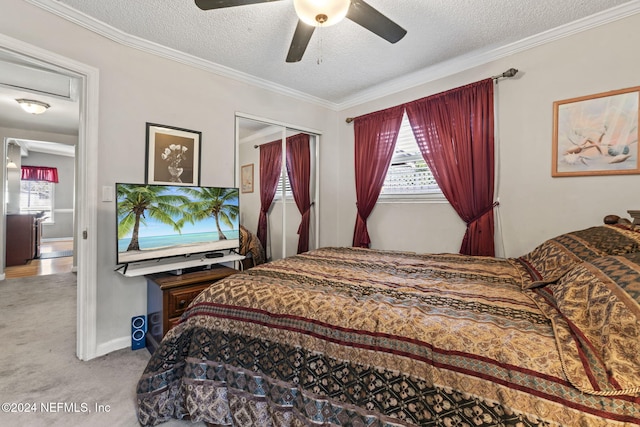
(159, 221)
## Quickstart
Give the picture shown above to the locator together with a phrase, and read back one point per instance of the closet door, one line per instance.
(284, 217)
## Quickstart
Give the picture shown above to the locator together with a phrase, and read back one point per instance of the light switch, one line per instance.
(107, 193)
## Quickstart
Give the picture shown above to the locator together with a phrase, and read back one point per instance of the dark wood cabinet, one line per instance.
(169, 295)
(23, 237)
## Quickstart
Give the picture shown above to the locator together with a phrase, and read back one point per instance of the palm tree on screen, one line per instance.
(221, 203)
(135, 202)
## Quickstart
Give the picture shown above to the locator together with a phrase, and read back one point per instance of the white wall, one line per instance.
(14, 175)
(135, 88)
(533, 205)
(250, 202)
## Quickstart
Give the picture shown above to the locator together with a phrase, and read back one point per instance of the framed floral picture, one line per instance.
(596, 134)
(246, 178)
(173, 155)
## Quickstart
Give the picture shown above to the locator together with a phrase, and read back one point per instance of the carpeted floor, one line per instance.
(40, 373)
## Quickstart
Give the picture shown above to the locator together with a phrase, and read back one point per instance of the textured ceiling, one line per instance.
(254, 39)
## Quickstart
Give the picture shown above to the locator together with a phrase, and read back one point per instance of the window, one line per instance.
(36, 197)
(284, 182)
(408, 173)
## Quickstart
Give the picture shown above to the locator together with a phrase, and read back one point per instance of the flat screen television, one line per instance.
(162, 221)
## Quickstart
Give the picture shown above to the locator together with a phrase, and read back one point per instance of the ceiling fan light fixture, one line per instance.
(321, 12)
(33, 107)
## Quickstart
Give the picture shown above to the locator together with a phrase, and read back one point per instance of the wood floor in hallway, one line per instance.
(41, 267)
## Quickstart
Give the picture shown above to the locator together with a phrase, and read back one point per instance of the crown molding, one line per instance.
(426, 75)
(114, 34)
(481, 57)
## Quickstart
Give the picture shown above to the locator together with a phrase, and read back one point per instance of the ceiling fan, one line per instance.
(313, 13)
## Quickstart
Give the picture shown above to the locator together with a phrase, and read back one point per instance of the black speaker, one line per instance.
(138, 332)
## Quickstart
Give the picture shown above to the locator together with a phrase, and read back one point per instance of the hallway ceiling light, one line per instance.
(33, 107)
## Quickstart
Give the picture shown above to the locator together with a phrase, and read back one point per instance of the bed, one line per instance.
(361, 337)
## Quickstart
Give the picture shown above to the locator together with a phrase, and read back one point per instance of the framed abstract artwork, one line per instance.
(596, 134)
(173, 155)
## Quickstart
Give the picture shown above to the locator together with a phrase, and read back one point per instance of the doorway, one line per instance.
(85, 223)
(39, 191)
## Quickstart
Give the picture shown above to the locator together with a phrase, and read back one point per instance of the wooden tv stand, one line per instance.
(169, 295)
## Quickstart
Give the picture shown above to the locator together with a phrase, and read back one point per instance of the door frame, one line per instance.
(85, 232)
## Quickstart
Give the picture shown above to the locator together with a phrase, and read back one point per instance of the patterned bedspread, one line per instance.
(358, 337)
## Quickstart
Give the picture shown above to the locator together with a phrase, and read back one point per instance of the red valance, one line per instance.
(39, 173)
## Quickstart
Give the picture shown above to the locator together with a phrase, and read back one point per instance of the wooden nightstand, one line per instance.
(169, 295)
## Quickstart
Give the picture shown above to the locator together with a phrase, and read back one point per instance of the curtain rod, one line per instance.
(507, 74)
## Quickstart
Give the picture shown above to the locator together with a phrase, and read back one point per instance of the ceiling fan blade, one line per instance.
(368, 17)
(300, 41)
(219, 4)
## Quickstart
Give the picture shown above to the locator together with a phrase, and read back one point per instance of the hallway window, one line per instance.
(36, 197)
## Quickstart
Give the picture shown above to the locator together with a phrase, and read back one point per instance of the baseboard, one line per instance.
(113, 345)
(2, 276)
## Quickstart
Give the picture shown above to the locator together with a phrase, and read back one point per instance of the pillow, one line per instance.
(595, 311)
(553, 258)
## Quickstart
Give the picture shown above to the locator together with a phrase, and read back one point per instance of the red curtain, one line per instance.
(375, 141)
(454, 131)
(299, 171)
(39, 173)
(270, 169)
